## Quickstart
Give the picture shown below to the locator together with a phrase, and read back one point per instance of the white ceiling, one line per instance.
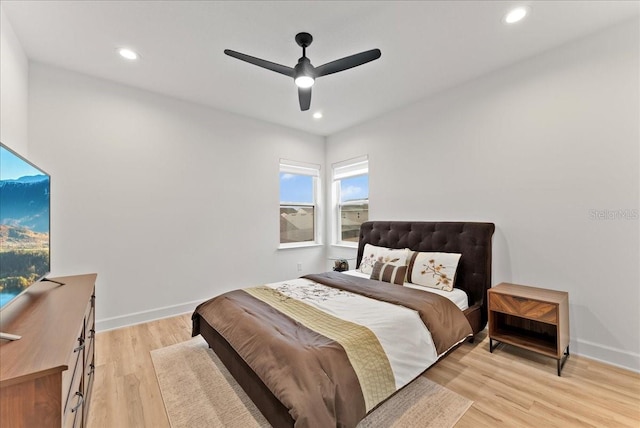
(426, 47)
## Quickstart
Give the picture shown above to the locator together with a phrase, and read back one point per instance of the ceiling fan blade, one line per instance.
(348, 62)
(282, 69)
(304, 95)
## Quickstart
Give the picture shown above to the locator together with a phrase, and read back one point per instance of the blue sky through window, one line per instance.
(354, 188)
(296, 188)
(299, 188)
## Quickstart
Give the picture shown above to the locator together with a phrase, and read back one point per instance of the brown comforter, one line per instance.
(310, 373)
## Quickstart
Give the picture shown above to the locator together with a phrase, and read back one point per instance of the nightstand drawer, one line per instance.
(524, 307)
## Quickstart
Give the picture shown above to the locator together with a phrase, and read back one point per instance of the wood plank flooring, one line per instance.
(510, 387)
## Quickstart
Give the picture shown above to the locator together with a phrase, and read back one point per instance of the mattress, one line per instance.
(457, 296)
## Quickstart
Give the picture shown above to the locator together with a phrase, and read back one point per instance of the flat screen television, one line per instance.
(24, 225)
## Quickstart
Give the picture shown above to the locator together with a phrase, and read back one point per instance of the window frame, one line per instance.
(306, 169)
(349, 168)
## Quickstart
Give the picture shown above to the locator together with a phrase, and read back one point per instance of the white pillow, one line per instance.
(435, 270)
(373, 254)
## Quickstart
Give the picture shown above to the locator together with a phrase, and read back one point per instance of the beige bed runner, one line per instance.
(361, 345)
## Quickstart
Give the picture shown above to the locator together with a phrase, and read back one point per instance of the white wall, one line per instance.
(14, 75)
(144, 188)
(533, 148)
(169, 202)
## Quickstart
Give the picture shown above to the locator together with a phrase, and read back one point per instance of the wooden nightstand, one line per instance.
(531, 318)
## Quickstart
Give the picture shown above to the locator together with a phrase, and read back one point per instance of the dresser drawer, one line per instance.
(74, 371)
(73, 419)
(89, 315)
(89, 367)
(72, 412)
(88, 387)
(524, 307)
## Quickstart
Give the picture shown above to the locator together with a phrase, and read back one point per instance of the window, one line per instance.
(351, 199)
(299, 190)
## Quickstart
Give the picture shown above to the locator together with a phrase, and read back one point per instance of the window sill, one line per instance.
(299, 245)
(353, 246)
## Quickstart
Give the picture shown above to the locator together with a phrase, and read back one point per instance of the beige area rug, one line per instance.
(198, 391)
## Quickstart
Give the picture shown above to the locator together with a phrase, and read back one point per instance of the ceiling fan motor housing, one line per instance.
(304, 68)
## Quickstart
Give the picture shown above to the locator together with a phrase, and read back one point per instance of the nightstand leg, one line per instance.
(492, 346)
(563, 360)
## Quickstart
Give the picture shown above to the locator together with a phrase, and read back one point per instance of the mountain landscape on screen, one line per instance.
(25, 203)
(24, 233)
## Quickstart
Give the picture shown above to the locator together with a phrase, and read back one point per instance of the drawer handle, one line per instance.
(519, 299)
(81, 347)
(92, 369)
(80, 401)
(92, 334)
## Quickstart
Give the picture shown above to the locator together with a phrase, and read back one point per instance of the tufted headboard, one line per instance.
(472, 240)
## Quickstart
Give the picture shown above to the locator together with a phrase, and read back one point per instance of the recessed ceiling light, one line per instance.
(128, 54)
(317, 115)
(516, 15)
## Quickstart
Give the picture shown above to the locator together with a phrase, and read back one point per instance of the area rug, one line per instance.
(198, 391)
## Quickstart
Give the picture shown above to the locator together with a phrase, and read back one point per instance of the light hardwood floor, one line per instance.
(509, 387)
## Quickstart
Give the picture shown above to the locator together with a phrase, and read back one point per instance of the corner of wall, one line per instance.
(14, 88)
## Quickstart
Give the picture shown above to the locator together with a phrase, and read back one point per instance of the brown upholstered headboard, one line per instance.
(472, 240)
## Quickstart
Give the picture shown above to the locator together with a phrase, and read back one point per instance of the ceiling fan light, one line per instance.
(304, 81)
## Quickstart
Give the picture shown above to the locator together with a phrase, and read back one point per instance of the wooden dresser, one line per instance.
(532, 318)
(46, 377)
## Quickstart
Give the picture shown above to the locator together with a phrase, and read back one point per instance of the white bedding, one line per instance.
(457, 296)
(405, 339)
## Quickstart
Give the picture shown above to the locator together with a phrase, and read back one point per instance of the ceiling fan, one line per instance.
(304, 74)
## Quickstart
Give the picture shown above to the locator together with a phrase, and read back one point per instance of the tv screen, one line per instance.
(24, 224)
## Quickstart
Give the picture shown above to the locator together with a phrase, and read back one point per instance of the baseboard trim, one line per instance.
(606, 354)
(113, 323)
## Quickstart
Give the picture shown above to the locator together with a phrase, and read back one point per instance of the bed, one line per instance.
(302, 376)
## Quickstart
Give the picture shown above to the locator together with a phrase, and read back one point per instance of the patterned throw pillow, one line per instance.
(373, 254)
(389, 273)
(435, 270)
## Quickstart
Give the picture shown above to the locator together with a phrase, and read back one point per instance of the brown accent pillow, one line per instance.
(388, 272)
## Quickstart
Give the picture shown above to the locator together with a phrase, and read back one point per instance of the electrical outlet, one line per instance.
(299, 267)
